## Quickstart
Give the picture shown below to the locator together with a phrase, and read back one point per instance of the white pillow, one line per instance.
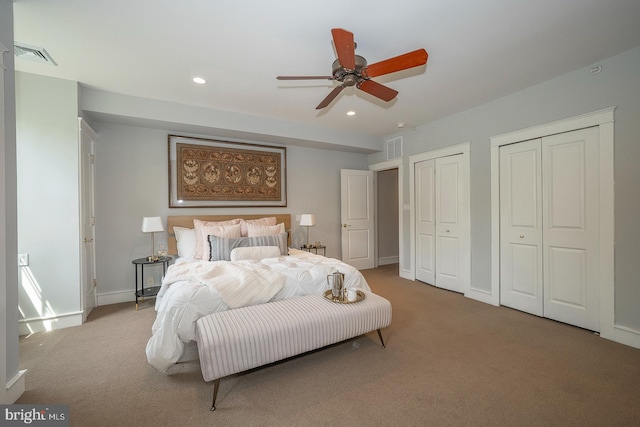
(254, 253)
(198, 224)
(219, 231)
(269, 220)
(186, 241)
(264, 230)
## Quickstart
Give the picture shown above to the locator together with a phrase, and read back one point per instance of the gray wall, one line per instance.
(48, 195)
(9, 361)
(132, 182)
(579, 92)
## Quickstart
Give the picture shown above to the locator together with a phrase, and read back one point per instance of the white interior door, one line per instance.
(449, 196)
(521, 227)
(571, 227)
(87, 167)
(425, 221)
(549, 227)
(356, 212)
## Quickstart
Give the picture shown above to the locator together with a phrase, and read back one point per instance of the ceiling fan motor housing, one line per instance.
(347, 76)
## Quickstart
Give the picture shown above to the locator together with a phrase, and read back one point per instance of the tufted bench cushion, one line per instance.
(245, 338)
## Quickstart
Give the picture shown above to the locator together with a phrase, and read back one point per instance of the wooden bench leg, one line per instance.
(381, 340)
(216, 384)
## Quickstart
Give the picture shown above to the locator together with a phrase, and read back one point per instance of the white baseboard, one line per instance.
(626, 336)
(43, 324)
(14, 389)
(388, 260)
(115, 297)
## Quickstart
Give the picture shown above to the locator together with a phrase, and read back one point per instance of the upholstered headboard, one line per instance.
(187, 222)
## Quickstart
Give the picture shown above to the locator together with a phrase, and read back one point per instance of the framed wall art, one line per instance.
(213, 173)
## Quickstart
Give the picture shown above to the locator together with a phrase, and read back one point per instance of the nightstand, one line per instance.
(139, 266)
(315, 249)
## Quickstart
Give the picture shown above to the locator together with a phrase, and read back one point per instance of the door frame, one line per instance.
(85, 131)
(464, 149)
(604, 120)
(379, 167)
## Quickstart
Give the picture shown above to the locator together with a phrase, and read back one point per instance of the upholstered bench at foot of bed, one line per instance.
(245, 338)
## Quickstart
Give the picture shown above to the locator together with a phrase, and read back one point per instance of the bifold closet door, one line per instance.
(521, 227)
(571, 222)
(425, 221)
(449, 231)
(549, 227)
(440, 249)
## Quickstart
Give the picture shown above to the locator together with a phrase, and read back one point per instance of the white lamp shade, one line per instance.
(308, 219)
(152, 224)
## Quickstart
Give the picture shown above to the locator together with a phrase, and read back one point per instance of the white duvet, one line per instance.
(192, 289)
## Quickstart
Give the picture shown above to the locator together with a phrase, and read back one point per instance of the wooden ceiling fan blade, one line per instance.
(332, 95)
(305, 78)
(397, 63)
(345, 47)
(376, 89)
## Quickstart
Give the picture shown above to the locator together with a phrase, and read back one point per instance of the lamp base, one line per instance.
(152, 258)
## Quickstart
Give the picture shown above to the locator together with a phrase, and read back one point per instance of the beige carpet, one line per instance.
(449, 361)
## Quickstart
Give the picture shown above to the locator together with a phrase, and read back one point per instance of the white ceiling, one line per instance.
(478, 51)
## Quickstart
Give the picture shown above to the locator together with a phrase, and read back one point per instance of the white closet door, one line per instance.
(425, 221)
(571, 227)
(448, 230)
(521, 227)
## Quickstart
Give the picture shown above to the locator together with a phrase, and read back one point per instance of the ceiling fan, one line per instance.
(352, 70)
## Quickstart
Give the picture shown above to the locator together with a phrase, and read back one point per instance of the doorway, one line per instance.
(380, 171)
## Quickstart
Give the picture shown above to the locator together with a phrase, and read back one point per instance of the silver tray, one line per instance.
(329, 296)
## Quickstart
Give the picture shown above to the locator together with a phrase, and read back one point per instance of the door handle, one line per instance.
(447, 231)
(522, 236)
(88, 240)
(345, 225)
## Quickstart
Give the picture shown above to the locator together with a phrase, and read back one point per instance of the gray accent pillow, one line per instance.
(221, 247)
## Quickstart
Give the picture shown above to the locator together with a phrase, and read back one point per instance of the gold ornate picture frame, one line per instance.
(214, 173)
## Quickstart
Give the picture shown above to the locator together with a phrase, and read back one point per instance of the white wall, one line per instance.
(132, 182)
(12, 380)
(48, 201)
(618, 85)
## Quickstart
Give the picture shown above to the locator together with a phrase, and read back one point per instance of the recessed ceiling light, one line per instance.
(351, 113)
(199, 80)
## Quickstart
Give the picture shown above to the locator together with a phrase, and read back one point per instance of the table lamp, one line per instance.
(152, 224)
(307, 220)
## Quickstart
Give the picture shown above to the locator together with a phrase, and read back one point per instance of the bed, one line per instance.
(231, 272)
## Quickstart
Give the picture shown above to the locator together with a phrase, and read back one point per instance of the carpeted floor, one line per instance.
(449, 361)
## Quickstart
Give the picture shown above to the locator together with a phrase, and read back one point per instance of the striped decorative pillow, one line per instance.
(220, 247)
(213, 230)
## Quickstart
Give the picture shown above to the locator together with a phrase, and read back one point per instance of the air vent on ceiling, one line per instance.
(33, 53)
(394, 148)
